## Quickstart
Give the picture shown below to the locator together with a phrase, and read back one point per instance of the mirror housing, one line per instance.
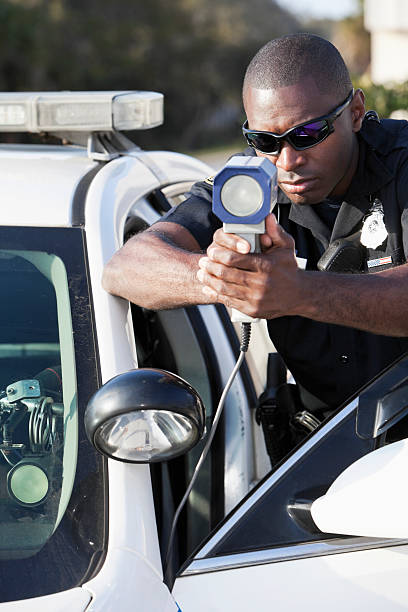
(145, 416)
(369, 498)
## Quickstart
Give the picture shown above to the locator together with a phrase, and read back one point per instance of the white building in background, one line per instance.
(388, 24)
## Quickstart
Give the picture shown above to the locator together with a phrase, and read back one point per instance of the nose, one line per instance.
(289, 159)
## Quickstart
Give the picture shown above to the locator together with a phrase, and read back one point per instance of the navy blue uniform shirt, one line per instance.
(332, 362)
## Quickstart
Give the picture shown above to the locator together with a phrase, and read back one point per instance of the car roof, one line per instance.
(39, 183)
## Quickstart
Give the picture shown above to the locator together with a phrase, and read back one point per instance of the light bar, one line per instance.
(80, 111)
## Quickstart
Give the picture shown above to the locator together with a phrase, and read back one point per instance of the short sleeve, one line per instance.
(195, 214)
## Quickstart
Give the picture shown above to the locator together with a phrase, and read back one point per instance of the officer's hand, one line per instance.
(264, 285)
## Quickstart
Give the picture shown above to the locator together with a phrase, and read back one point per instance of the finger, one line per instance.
(246, 308)
(277, 235)
(226, 273)
(265, 241)
(230, 258)
(210, 293)
(231, 241)
(222, 287)
(236, 303)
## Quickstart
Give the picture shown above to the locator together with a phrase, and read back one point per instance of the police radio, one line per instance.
(244, 193)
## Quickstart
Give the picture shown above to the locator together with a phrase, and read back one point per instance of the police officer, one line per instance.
(342, 207)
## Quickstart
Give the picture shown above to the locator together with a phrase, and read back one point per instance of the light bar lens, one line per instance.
(12, 115)
(80, 111)
(53, 115)
(138, 111)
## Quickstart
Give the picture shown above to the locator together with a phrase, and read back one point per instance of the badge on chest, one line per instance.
(374, 232)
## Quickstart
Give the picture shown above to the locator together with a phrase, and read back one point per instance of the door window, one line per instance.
(268, 518)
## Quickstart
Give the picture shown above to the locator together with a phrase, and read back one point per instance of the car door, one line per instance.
(267, 554)
(263, 553)
(200, 345)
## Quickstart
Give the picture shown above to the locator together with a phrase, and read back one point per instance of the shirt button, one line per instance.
(344, 358)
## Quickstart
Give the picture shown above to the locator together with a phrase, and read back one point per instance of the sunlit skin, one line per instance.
(307, 177)
(271, 284)
(163, 267)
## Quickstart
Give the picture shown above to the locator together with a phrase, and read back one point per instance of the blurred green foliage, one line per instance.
(193, 51)
(383, 99)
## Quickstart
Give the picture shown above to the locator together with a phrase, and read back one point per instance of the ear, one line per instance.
(357, 109)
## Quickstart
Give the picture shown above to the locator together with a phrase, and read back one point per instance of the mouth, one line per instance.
(298, 187)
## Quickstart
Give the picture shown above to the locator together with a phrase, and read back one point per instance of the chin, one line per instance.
(306, 198)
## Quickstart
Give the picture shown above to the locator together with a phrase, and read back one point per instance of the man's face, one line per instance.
(309, 176)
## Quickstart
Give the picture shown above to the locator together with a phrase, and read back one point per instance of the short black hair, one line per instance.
(287, 60)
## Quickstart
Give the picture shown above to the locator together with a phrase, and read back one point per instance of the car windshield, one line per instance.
(42, 276)
(38, 400)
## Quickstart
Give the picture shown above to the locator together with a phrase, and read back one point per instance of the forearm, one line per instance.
(377, 303)
(270, 285)
(153, 272)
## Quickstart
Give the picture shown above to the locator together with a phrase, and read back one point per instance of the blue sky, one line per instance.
(320, 8)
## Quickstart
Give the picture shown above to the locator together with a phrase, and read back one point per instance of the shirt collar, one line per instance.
(371, 174)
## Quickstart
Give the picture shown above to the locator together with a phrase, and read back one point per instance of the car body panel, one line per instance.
(39, 183)
(112, 193)
(51, 175)
(66, 601)
(42, 188)
(133, 531)
(367, 580)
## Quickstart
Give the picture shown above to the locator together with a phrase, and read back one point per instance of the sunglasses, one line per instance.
(301, 137)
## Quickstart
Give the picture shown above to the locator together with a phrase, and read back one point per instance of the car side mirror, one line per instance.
(369, 498)
(145, 416)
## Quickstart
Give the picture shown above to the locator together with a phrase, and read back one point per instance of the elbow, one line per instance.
(119, 280)
(110, 279)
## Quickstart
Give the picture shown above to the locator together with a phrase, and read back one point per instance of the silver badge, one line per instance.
(374, 231)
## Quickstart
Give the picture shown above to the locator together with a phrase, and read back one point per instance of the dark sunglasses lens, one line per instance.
(301, 137)
(309, 134)
(265, 143)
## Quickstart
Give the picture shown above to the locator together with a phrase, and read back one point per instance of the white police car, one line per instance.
(80, 531)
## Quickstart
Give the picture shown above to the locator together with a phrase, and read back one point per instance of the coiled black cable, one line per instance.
(245, 336)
